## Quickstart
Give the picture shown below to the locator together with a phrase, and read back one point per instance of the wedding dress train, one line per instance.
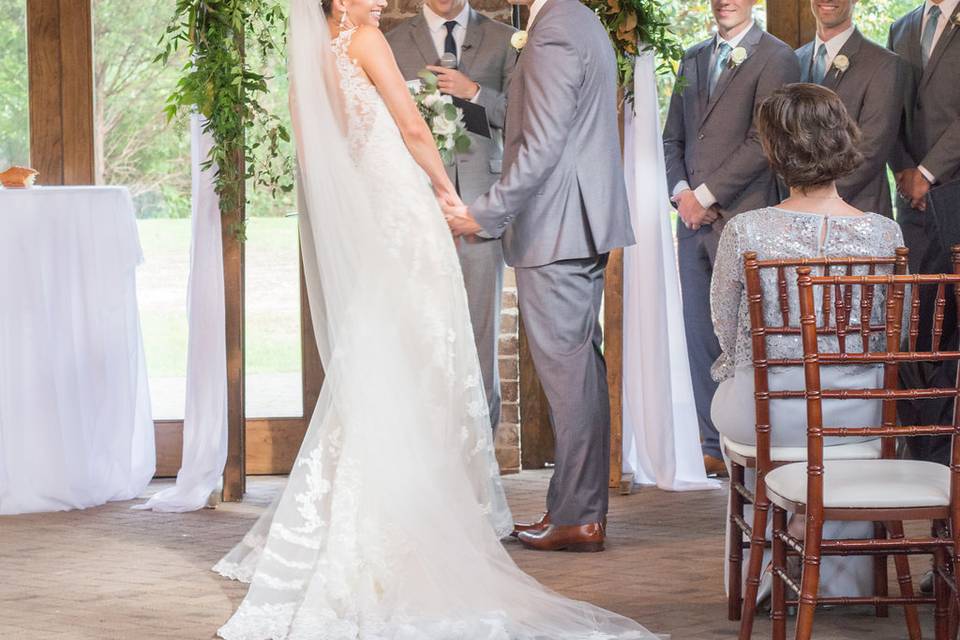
(390, 525)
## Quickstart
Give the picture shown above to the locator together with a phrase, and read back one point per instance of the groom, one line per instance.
(561, 206)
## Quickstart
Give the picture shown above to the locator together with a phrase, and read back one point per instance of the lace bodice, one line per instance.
(778, 234)
(361, 99)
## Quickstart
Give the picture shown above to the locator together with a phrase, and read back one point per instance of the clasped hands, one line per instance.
(692, 213)
(913, 186)
(457, 215)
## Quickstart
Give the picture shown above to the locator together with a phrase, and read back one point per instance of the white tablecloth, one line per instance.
(75, 423)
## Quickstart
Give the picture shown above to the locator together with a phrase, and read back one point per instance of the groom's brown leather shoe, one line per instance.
(531, 526)
(555, 537)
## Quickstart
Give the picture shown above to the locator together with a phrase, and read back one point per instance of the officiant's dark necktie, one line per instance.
(450, 45)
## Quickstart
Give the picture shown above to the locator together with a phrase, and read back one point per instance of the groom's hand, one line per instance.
(459, 220)
(455, 83)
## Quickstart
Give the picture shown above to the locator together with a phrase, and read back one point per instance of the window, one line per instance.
(14, 96)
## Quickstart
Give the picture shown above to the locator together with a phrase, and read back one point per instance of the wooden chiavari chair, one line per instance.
(884, 490)
(763, 457)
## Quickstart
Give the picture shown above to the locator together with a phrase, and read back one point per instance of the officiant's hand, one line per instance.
(692, 213)
(455, 83)
(913, 186)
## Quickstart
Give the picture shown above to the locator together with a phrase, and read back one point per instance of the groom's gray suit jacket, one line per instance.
(872, 90)
(562, 193)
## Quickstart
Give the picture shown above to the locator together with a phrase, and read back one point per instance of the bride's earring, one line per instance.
(344, 20)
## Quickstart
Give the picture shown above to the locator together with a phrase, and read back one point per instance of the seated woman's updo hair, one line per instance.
(807, 135)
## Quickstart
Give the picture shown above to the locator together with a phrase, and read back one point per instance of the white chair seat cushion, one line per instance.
(867, 484)
(868, 450)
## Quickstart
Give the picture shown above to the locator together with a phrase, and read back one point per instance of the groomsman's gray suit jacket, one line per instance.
(713, 140)
(872, 90)
(488, 59)
(562, 195)
(930, 135)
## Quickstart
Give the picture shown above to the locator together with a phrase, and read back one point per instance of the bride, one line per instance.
(390, 525)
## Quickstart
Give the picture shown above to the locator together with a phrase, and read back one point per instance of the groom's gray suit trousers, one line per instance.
(560, 307)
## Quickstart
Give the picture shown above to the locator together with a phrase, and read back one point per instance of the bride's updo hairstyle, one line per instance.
(327, 6)
(807, 135)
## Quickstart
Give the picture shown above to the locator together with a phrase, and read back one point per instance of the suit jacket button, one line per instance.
(919, 106)
(700, 137)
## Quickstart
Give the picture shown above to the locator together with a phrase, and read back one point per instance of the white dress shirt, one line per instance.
(947, 7)
(702, 193)
(438, 31)
(534, 10)
(834, 45)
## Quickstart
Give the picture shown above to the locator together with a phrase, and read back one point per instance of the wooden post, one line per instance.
(613, 354)
(60, 66)
(791, 21)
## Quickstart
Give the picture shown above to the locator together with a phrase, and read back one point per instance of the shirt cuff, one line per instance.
(926, 174)
(683, 185)
(475, 98)
(704, 197)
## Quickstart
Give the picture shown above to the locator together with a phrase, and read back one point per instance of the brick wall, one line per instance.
(508, 435)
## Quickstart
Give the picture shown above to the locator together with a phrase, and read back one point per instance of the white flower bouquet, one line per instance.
(442, 116)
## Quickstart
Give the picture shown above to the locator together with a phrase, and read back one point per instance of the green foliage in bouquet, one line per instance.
(442, 116)
(221, 84)
(636, 26)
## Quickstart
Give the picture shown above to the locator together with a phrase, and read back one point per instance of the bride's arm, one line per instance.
(370, 49)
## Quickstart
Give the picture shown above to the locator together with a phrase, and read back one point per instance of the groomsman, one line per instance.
(868, 79)
(716, 169)
(485, 60)
(928, 149)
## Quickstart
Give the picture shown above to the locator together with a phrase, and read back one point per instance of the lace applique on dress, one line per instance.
(360, 96)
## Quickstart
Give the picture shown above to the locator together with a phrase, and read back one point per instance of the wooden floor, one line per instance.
(112, 573)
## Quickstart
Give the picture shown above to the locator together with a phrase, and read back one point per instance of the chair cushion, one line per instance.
(865, 450)
(867, 484)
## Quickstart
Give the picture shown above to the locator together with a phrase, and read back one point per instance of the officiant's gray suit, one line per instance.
(930, 129)
(561, 206)
(872, 90)
(488, 59)
(710, 139)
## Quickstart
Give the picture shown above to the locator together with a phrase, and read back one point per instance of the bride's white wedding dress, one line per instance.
(390, 525)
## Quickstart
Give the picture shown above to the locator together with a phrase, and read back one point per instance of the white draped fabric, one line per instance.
(205, 418)
(661, 439)
(75, 423)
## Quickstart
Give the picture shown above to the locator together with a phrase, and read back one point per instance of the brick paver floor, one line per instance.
(112, 573)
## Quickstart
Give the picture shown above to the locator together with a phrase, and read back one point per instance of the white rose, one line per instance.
(430, 100)
(841, 63)
(518, 40)
(442, 126)
(449, 143)
(737, 56)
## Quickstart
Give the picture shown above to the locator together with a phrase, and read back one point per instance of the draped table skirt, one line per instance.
(75, 423)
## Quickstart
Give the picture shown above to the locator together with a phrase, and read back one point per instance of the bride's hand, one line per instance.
(448, 198)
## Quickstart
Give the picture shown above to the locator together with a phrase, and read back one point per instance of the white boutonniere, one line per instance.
(841, 63)
(518, 40)
(955, 21)
(737, 56)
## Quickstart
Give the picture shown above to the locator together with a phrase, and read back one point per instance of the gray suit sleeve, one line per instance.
(674, 137)
(879, 121)
(944, 158)
(900, 158)
(747, 161)
(494, 101)
(549, 107)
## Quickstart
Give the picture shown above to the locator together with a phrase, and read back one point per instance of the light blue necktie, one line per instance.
(723, 54)
(820, 64)
(926, 43)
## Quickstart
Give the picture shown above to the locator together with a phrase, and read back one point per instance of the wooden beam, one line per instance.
(791, 21)
(234, 475)
(60, 66)
(613, 354)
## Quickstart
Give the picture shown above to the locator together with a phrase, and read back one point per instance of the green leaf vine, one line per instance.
(219, 82)
(636, 26)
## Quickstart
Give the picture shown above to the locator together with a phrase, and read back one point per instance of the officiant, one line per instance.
(484, 60)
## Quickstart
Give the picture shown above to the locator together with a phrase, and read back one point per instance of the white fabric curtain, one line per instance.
(661, 438)
(205, 418)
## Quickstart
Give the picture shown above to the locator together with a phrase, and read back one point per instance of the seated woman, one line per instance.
(810, 141)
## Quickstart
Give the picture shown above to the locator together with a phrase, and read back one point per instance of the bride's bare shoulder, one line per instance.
(368, 39)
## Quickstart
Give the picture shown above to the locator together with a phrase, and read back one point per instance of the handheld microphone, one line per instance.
(448, 61)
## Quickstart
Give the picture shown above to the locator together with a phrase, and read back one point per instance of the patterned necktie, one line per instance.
(450, 45)
(926, 43)
(723, 54)
(820, 64)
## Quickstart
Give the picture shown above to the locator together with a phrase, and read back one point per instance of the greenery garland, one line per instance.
(220, 83)
(636, 26)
